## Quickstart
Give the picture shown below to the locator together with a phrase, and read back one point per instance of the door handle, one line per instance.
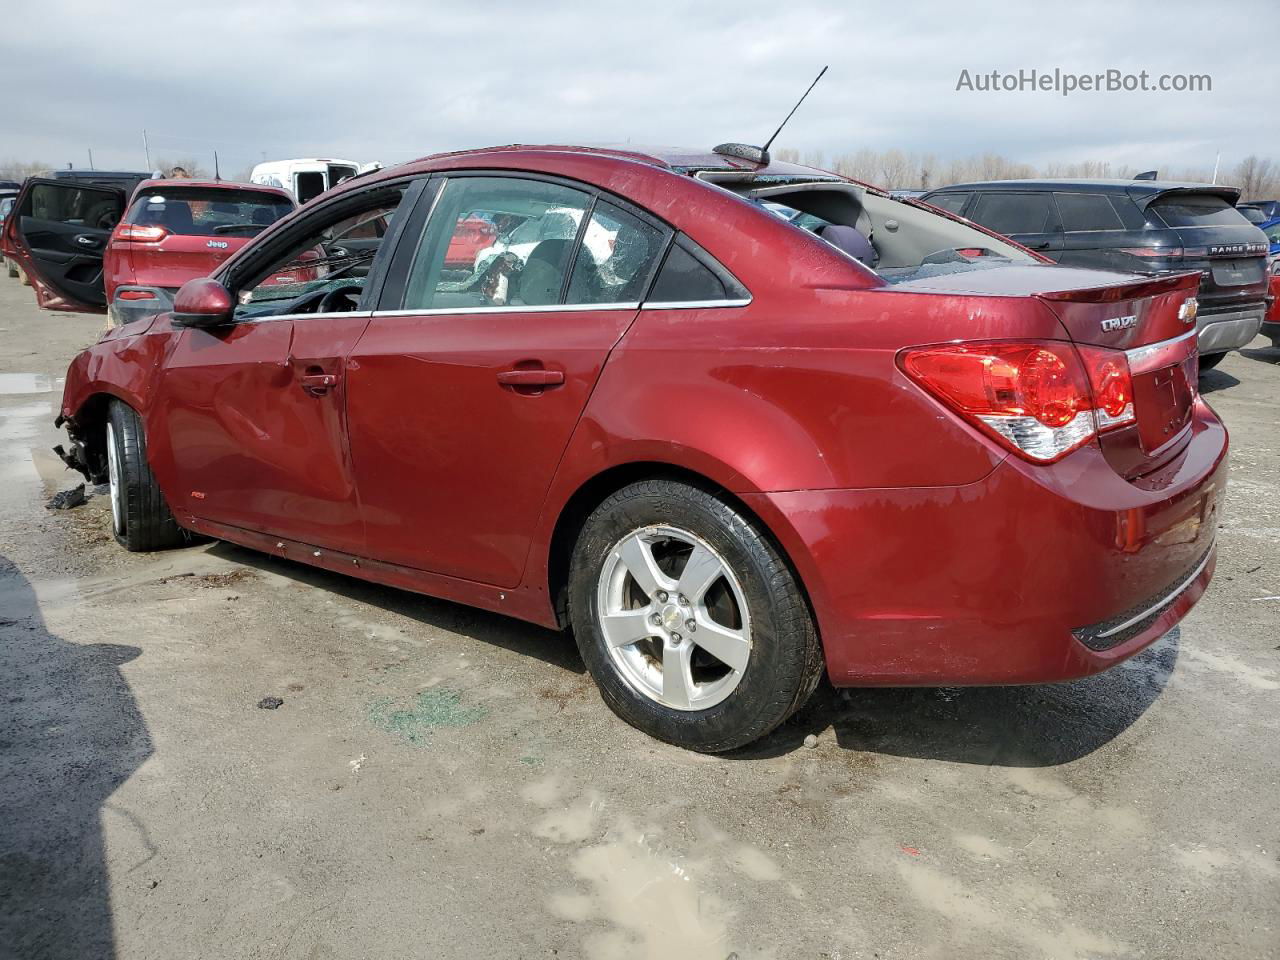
(87, 240)
(531, 378)
(317, 384)
(1042, 245)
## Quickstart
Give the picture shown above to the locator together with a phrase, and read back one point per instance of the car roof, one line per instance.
(184, 182)
(1133, 188)
(679, 159)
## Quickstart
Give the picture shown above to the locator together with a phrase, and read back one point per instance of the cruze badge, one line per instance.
(217, 244)
(1119, 323)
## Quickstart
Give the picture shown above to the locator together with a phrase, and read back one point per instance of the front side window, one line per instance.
(208, 212)
(1013, 213)
(324, 271)
(83, 206)
(532, 227)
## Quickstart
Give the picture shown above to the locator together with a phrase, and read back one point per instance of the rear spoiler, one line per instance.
(1143, 198)
(1129, 290)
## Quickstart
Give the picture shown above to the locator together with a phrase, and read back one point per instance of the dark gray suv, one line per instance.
(1137, 226)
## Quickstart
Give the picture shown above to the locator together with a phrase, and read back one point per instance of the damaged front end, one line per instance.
(81, 457)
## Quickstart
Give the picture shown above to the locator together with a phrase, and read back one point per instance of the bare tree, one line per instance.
(19, 170)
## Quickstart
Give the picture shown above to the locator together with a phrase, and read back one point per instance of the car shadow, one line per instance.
(1027, 726)
(526, 639)
(1212, 380)
(70, 734)
(1263, 354)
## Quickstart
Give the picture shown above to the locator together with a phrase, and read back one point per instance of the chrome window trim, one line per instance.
(695, 304)
(359, 314)
(515, 308)
(1156, 607)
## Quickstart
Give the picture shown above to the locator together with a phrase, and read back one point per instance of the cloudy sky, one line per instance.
(397, 80)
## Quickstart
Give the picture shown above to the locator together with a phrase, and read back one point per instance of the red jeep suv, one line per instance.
(86, 250)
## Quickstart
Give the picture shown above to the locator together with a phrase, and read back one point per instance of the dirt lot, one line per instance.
(444, 783)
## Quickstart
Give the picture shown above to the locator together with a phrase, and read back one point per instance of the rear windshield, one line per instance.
(1196, 210)
(204, 212)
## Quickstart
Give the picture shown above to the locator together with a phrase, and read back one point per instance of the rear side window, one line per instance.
(684, 278)
(617, 257)
(1011, 213)
(1196, 210)
(500, 242)
(199, 212)
(951, 202)
(1087, 211)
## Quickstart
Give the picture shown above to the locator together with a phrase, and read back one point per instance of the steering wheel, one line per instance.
(340, 299)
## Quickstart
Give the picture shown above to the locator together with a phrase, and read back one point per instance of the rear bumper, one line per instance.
(1004, 580)
(126, 309)
(1223, 330)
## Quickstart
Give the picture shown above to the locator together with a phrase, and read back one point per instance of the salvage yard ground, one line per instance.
(441, 782)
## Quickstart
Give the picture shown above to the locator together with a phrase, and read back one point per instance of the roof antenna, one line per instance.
(216, 174)
(769, 142)
(760, 155)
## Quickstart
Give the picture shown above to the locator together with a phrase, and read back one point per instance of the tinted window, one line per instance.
(1010, 213)
(310, 186)
(683, 278)
(78, 205)
(1272, 232)
(204, 212)
(953, 202)
(1087, 211)
(499, 242)
(1196, 210)
(616, 259)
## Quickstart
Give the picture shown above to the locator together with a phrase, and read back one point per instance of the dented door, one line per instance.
(254, 419)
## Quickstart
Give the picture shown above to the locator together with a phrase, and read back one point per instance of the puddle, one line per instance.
(20, 383)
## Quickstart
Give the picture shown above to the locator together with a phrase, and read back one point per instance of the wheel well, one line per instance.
(599, 488)
(91, 432)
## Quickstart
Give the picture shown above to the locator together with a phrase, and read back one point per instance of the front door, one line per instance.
(253, 415)
(254, 418)
(1030, 219)
(462, 402)
(58, 232)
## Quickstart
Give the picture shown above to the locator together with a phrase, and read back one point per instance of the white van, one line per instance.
(306, 178)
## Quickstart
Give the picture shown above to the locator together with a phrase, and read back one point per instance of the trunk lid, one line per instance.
(1146, 318)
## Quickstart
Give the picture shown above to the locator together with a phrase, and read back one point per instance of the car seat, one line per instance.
(543, 273)
(851, 241)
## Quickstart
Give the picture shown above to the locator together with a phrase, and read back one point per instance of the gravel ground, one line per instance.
(440, 782)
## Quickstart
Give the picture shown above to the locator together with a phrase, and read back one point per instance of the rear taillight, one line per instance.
(1042, 400)
(147, 234)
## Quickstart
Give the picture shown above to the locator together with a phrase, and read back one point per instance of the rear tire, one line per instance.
(140, 517)
(710, 580)
(1210, 361)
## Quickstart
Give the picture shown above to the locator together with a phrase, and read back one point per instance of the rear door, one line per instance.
(1028, 218)
(462, 399)
(58, 232)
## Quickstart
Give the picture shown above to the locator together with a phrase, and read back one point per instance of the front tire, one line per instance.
(140, 516)
(689, 619)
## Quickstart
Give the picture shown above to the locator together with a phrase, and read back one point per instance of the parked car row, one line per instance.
(735, 422)
(1137, 226)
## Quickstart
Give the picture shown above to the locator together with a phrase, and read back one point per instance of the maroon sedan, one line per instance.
(750, 422)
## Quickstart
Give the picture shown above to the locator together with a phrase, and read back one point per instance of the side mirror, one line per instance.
(203, 303)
